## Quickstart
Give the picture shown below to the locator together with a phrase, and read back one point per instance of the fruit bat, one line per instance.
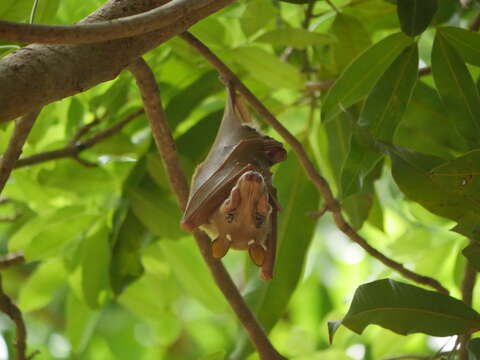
(232, 196)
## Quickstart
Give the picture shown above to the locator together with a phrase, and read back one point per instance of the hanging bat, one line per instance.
(231, 196)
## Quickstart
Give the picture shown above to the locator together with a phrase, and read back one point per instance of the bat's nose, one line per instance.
(253, 176)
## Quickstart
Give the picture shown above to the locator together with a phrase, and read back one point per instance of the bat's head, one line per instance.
(243, 219)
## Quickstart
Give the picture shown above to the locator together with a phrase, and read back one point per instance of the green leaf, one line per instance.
(186, 100)
(296, 196)
(86, 182)
(360, 161)
(360, 76)
(96, 266)
(469, 225)
(415, 15)
(155, 209)
(386, 104)
(296, 1)
(472, 253)
(46, 11)
(75, 116)
(381, 114)
(46, 235)
(115, 97)
(15, 10)
(196, 142)
(473, 347)
(267, 68)
(192, 273)
(220, 355)
(457, 90)
(41, 286)
(257, 15)
(407, 309)
(352, 39)
(128, 239)
(297, 38)
(426, 115)
(81, 323)
(447, 189)
(466, 42)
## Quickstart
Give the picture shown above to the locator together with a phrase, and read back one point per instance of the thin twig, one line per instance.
(14, 313)
(9, 260)
(166, 146)
(309, 168)
(419, 357)
(329, 2)
(305, 25)
(425, 71)
(468, 285)
(15, 145)
(106, 30)
(73, 150)
(84, 130)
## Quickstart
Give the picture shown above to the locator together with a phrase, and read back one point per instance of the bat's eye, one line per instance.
(259, 220)
(229, 217)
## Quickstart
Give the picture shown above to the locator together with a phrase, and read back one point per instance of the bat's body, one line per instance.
(232, 195)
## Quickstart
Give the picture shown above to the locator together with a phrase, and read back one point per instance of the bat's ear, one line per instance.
(220, 247)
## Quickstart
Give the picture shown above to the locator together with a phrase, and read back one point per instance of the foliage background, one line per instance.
(110, 275)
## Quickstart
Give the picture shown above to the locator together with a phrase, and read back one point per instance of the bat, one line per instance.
(232, 196)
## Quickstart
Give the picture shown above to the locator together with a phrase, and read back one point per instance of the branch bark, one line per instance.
(60, 71)
(15, 145)
(166, 146)
(468, 285)
(14, 313)
(309, 168)
(123, 27)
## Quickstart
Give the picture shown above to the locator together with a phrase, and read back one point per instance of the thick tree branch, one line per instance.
(74, 149)
(309, 168)
(468, 285)
(123, 27)
(15, 145)
(60, 71)
(166, 146)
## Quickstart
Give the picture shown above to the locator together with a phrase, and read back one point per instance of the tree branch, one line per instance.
(74, 149)
(64, 70)
(128, 26)
(13, 259)
(166, 146)
(14, 313)
(15, 145)
(468, 284)
(318, 180)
